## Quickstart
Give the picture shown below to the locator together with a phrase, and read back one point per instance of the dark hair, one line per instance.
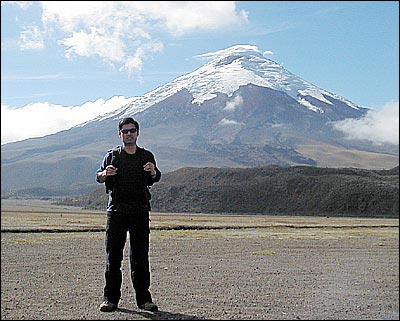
(128, 120)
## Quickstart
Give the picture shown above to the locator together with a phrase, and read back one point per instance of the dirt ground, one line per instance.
(331, 269)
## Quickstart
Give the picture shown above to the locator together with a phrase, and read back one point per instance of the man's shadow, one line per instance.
(161, 315)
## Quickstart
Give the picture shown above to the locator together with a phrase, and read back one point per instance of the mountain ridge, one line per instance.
(269, 190)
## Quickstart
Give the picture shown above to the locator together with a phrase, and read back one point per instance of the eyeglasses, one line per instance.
(126, 131)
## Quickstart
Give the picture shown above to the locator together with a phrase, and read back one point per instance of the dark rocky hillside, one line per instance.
(272, 190)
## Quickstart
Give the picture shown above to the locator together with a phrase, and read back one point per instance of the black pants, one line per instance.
(118, 224)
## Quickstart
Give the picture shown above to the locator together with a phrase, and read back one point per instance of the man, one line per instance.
(127, 171)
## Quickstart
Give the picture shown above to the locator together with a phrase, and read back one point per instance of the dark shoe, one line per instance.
(107, 306)
(149, 306)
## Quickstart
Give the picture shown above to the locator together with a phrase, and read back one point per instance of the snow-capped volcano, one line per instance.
(240, 109)
(242, 65)
(231, 68)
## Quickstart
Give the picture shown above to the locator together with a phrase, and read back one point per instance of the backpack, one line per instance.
(109, 183)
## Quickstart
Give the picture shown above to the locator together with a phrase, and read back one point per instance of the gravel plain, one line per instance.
(205, 268)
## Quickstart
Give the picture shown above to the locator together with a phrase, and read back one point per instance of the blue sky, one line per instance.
(63, 63)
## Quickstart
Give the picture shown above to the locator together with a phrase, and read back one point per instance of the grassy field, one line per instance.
(41, 215)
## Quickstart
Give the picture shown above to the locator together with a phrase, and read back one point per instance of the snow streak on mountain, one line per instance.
(230, 68)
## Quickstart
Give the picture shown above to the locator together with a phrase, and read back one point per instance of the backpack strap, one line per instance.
(109, 183)
(115, 156)
(142, 152)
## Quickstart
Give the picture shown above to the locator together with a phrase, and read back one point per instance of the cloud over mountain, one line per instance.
(378, 126)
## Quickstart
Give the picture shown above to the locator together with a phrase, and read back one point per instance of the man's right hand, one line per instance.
(109, 171)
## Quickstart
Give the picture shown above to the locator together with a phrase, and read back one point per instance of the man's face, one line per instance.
(129, 134)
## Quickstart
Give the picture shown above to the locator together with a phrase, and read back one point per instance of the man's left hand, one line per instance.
(149, 167)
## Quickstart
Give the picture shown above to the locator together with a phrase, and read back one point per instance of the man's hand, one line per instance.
(149, 167)
(109, 171)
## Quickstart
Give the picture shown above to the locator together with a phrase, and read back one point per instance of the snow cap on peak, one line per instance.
(234, 50)
(240, 65)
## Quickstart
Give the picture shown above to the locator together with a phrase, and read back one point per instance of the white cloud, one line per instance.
(233, 104)
(31, 39)
(40, 119)
(225, 121)
(378, 126)
(182, 17)
(97, 41)
(125, 32)
(135, 62)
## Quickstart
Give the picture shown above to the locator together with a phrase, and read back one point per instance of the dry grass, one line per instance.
(41, 216)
